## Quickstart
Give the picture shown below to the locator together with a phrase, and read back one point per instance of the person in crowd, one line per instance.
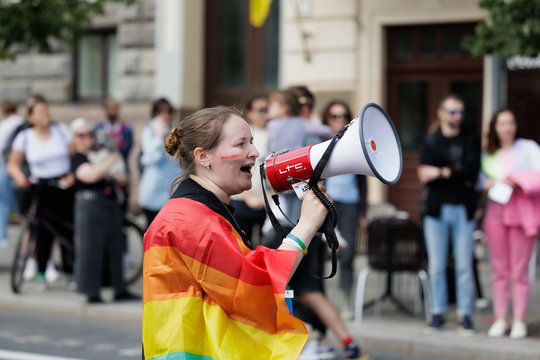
(115, 128)
(288, 129)
(96, 202)
(46, 147)
(305, 99)
(511, 178)
(449, 168)
(349, 193)
(9, 123)
(158, 168)
(204, 286)
(249, 205)
(23, 196)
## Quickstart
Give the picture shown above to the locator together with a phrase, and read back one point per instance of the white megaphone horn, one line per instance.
(369, 146)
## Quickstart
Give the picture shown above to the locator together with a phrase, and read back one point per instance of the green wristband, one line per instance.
(298, 241)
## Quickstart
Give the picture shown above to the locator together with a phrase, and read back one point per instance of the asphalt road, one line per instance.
(25, 336)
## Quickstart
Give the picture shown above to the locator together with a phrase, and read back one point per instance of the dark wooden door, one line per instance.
(425, 63)
(241, 61)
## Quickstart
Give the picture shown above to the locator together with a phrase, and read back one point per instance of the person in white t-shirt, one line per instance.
(47, 147)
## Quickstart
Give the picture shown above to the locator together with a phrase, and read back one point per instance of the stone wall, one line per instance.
(52, 75)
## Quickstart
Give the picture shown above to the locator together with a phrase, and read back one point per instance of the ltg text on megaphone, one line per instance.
(369, 145)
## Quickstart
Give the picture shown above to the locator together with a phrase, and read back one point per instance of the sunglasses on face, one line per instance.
(263, 110)
(338, 116)
(455, 113)
(85, 135)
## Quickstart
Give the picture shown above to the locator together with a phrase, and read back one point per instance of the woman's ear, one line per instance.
(201, 157)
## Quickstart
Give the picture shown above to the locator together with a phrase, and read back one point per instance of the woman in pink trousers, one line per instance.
(511, 178)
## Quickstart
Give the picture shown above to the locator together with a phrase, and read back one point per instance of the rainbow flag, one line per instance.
(207, 296)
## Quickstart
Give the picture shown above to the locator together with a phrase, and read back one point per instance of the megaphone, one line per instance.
(369, 146)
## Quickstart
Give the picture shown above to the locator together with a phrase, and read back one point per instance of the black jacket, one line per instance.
(462, 155)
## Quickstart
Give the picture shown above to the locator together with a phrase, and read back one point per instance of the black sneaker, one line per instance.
(465, 326)
(352, 351)
(94, 299)
(437, 322)
(126, 296)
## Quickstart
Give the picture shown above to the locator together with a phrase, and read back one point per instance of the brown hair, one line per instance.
(201, 129)
(251, 101)
(32, 100)
(288, 99)
(161, 105)
(303, 96)
(330, 105)
(9, 107)
(493, 141)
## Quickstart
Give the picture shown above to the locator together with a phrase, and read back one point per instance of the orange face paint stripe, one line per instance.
(231, 157)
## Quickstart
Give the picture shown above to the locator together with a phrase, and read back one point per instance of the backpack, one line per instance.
(9, 143)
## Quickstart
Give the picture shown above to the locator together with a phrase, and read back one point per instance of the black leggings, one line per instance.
(55, 205)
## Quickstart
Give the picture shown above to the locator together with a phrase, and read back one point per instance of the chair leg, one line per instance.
(418, 295)
(423, 276)
(359, 296)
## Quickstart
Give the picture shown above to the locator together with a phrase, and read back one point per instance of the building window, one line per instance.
(95, 66)
(241, 60)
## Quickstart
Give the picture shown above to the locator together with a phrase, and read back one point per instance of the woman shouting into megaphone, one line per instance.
(207, 292)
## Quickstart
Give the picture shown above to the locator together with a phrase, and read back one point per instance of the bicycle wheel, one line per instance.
(133, 255)
(25, 248)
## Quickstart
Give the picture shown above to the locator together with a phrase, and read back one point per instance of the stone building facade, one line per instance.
(401, 54)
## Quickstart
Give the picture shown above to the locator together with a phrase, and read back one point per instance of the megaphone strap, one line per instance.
(330, 220)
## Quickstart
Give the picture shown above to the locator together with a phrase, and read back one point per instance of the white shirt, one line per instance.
(47, 158)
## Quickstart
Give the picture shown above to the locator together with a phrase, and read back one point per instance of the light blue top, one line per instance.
(160, 169)
(343, 188)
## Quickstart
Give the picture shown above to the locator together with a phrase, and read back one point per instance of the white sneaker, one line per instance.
(519, 330)
(51, 274)
(309, 351)
(498, 328)
(30, 269)
(313, 350)
(482, 303)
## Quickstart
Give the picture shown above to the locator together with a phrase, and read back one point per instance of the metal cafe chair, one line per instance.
(395, 244)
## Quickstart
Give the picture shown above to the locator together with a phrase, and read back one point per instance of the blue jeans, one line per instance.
(452, 221)
(6, 200)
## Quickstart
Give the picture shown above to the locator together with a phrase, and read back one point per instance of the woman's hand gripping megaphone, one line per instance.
(313, 210)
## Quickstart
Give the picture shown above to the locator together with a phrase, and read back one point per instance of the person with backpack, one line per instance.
(7, 126)
(46, 146)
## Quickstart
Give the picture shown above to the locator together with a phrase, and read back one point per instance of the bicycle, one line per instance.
(133, 257)
(26, 245)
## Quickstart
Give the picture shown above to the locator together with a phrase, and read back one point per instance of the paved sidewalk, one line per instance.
(388, 331)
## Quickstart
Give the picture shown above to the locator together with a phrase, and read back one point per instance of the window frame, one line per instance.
(104, 34)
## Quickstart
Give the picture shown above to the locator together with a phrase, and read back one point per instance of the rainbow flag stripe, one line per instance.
(207, 296)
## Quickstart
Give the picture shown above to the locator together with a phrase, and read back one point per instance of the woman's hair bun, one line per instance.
(172, 142)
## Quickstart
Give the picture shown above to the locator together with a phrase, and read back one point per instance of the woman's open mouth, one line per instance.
(246, 168)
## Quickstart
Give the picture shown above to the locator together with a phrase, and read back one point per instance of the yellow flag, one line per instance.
(258, 11)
